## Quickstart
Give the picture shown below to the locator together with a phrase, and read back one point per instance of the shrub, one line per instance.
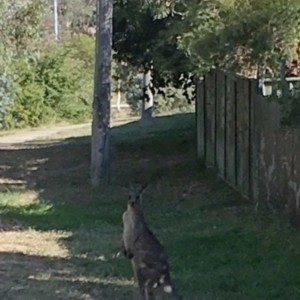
(50, 86)
(7, 94)
(174, 99)
(41, 80)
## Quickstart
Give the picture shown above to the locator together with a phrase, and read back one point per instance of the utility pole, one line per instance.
(101, 103)
(55, 10)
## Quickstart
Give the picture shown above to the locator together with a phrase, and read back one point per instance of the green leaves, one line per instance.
(7, 93)
(236, 34)
(22, 22)
(145, 32)
(40, 80)
(49, 88)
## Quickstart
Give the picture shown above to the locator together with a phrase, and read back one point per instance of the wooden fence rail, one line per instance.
(240, 135)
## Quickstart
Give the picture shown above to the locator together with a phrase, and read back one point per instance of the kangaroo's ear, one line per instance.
(128, 187)
(142, 188)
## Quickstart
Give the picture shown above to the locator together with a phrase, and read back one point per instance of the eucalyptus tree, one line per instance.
(145, 38)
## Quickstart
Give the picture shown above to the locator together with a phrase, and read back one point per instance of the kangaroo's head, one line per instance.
(135, 197)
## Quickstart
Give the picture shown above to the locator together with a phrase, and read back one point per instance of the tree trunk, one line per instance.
(101, 103)
(148, 95)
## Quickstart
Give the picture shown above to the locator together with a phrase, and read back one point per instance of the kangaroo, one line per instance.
(149, 261)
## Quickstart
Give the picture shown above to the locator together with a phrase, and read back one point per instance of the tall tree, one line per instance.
(145, 37)
(101, 103)
(236, 34)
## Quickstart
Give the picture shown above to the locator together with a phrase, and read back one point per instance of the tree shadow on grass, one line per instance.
(29, 277)
(46, 186)
(59, 172)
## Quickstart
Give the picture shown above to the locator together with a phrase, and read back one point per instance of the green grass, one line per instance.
(219, 246)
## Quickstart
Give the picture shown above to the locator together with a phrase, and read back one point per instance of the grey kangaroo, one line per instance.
(149, 261)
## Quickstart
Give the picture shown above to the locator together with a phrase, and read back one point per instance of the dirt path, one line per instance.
(54, 132)
(32, 134)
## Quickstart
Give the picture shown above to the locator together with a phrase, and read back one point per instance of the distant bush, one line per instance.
(174, 99)
(44, 81)
(82, 48)
(53, 85)
(41, 80)
(7, 93)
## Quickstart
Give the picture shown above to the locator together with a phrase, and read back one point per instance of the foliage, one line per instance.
(134, 93)
(180, 38)
(289, 102)
(64, 91)
(7, 94)
(48, 90)
(10, 37)
(237, 34)
(42, 80)
(76, 15)
(82, 48)
(174, 99)
(143, 35)
(22, 24)
(290, 109)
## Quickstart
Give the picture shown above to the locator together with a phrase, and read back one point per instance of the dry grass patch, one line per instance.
(33, 242)
(23, 198)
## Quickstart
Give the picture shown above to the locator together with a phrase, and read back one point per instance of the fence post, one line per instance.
(220, 122)
(230, 143)
(200, 116)
(210, 118)
(285, 85)
(255, 142)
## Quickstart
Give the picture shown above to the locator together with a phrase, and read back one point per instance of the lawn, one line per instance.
(60, 238)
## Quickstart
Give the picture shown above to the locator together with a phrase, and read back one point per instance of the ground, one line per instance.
(60, 239)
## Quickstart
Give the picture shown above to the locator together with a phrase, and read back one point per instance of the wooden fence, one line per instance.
(239, 134)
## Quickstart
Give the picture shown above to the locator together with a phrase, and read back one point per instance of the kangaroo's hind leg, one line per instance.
(150, 293)
(145, 293)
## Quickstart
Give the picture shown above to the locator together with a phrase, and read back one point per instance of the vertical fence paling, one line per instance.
(230, 144)
(220, 123)
(200, 118)
(235, 133)
(252, 140)
(225, 127)
(204, 117)
(243, 135)
(210, 119)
